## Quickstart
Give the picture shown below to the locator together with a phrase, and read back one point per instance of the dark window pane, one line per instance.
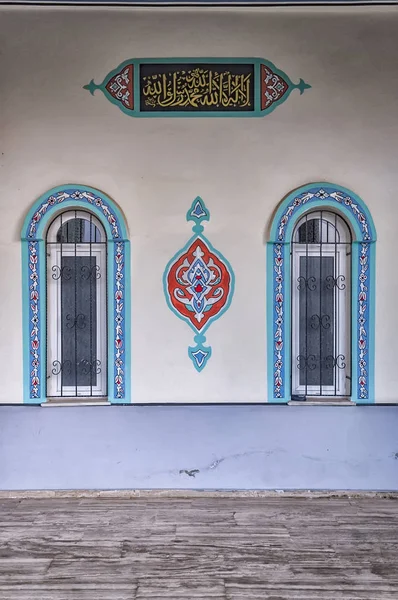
(77, 231)
(79, 321)
(309, 232)
(316, 321)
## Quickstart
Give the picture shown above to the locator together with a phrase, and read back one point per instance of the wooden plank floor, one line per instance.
(208, 548)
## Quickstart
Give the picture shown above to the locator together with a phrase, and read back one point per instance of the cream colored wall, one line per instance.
(344, 130)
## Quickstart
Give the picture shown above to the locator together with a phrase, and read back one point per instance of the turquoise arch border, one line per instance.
(118, 246)
(257, 112)
(364, 245)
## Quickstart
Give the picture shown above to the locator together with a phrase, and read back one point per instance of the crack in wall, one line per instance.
(218, 461)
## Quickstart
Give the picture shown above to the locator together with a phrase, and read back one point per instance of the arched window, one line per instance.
(320, 296)
(76, 306)
(321, 305)
(76, 298)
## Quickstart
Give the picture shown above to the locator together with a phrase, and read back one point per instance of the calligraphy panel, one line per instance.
(193, 87)
(209, 87)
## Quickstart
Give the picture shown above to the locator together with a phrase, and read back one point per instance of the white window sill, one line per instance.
(322, 402)
(75, 402)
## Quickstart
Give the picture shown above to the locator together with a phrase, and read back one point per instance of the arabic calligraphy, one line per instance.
(196, 87)
(186, 87)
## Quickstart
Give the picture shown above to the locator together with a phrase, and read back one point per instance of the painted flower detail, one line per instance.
(84, 196)
(199, 284)
(322, 194)
(120, 87)
(119, 319)
(34, 320)
(278, 320)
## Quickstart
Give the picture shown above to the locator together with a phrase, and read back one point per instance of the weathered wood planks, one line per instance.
(208, 548)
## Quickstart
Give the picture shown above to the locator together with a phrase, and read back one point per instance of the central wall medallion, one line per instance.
(198, 284)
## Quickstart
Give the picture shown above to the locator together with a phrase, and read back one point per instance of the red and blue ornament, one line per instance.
(198, 284)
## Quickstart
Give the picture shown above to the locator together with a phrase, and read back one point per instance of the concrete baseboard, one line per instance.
(191, 494)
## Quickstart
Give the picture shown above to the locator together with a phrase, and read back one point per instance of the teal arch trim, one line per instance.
(309, 197)
(34, 288)
(198, 213)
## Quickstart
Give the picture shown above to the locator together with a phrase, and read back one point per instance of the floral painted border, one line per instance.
(59, 197)
(361, 290)
(34, 286)
(34, 320)
(278, 320)
(119, 319)
(322, 194)
(363, 319)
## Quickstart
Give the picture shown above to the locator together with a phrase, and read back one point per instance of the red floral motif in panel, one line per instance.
(273, 87)
(198, 284)
(120, 87)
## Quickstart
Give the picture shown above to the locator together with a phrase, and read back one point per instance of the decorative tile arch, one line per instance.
(34, 288)
(312, 196)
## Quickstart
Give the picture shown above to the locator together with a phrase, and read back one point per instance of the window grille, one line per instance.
(76, 250)
(321, 306)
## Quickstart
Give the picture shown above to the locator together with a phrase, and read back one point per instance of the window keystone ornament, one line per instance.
(198, 284)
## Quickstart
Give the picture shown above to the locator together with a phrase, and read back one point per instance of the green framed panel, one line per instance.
(197, 87)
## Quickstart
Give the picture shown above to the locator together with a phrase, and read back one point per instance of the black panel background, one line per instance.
(236, 69)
